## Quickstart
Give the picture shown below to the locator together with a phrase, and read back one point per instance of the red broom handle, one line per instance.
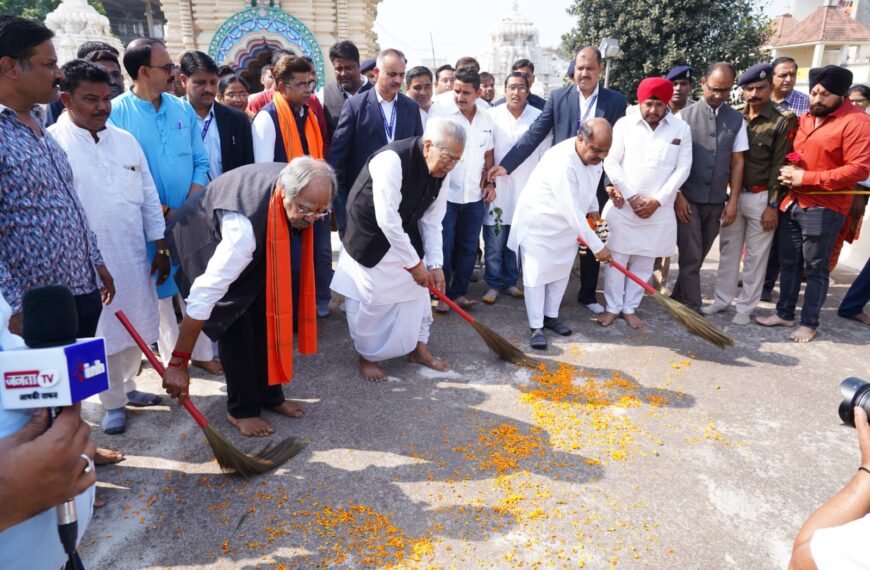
(449, 302)
(158, 366)
(646, 286)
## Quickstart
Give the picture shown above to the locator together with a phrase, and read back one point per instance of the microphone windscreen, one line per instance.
(49, 317)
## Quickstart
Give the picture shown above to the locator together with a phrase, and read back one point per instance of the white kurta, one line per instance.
(551, 213)
(651, 163)
(507, 131)
(386, 294)
(119, 197)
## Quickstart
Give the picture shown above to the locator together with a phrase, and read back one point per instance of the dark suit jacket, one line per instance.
(360, 133)
(237, 142)
(535, 101)
(560, 115)
(333, 101)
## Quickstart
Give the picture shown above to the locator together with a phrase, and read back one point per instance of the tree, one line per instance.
(655, 36)
(37, 9)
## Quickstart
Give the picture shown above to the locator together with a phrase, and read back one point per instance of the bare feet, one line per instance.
(210, 366)
(421, 355)
(860, 317)
(773, 321)
(99, 501)
(465, 303)
(252, 427)
(370, 370)
(107, 456)
(803, 334)
(632, 320)
(606, 319)
(289, 408)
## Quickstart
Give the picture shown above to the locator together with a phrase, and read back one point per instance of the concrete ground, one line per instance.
(655, 450)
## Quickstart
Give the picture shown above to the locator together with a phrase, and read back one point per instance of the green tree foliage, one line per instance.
(655, 36)
(37, 9)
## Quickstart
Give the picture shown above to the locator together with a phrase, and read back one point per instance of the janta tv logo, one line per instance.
(30, 379)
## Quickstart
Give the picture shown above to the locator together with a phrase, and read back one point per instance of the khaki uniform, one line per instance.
(770, 138)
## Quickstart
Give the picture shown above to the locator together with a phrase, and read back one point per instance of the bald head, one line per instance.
(593, 141)
(587, 69)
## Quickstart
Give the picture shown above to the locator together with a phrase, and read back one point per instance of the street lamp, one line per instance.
(609, 49)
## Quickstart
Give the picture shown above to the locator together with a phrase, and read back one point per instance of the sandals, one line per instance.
(556, 326)
(538, 340)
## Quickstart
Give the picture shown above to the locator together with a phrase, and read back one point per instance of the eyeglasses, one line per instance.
(237, 96)
(720, 90)
(517, 88)
(304, 85)
(309, 213)
(167, 68)
(445, 158)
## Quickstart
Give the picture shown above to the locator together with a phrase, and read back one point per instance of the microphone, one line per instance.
(54, 366)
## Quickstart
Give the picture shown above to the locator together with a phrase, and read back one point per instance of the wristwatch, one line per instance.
(433, 267)
(163, 252)
(773, 204)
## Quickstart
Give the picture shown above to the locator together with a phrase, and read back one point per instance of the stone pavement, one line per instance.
(655, 450)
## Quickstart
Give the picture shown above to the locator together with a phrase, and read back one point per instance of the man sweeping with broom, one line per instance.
(246, 248)
(392, 247)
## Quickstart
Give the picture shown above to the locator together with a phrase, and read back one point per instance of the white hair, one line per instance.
(441, 129)
(382, 55)
(300, 172)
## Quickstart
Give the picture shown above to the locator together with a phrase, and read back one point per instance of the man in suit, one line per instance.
(226, 132)
(348, 82)
(566, 109)
(527, 68)
(369, 121)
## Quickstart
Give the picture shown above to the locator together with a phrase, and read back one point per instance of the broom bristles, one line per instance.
(694, 323)
(231, 459)
(504, 349)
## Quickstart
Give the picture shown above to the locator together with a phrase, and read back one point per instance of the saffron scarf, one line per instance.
(279, 294)
(290, 134)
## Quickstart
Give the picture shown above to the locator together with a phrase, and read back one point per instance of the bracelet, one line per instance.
(163, 252)
(184, 356)
(862, 468)
(172, 364)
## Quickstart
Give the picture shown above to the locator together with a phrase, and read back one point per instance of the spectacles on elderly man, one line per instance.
(445, 158)
(307, 212)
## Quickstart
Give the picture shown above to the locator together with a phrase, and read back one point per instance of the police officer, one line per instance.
(771, 130)
(682, 78)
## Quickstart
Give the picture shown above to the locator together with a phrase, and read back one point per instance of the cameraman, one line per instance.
(836, 535)
(42, 467)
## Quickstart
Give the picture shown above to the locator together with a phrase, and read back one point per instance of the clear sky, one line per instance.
(462, 27)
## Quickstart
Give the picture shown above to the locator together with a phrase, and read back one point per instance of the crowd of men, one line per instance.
(185, 194)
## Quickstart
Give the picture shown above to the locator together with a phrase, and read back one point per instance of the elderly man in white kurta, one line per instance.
(392, 247)
(550, 216)
(650, 158)
(119, 197)
(511, 121)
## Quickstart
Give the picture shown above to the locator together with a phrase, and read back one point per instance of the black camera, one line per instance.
(856, 392)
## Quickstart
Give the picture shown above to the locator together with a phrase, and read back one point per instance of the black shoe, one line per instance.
(538, 340)
(556, 326)
(766, 296)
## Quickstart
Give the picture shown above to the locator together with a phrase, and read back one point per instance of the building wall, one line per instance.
(191, 24)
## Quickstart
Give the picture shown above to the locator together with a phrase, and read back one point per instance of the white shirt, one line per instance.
(424, 116)
(464, 179)
(446, 100)
(588, 106)
(842, 547)
(119, 197)
(388, 282)
(651, 163)
(551, 213)
(212, 143)
(388, 110)
(231, 256)
(507, 130)
(741, 141)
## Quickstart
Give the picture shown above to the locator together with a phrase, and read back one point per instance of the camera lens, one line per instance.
(856, 392)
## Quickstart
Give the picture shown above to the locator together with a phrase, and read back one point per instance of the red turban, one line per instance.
(657, 87)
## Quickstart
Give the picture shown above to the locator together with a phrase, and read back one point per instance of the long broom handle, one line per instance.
(646, 286)
(158, 366)
(450, 303)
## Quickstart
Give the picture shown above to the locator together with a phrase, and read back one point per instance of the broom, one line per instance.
(498, 344)
(228, 457)
(694, 323)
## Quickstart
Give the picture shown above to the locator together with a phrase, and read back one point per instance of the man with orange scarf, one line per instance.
(285, 129)
(246, 245)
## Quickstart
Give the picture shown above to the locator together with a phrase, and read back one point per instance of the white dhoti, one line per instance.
(622, 294)
(123, 366)
(202, 350)
(381, 332)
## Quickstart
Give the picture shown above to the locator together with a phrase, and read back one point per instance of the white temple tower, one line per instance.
(75, 22)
